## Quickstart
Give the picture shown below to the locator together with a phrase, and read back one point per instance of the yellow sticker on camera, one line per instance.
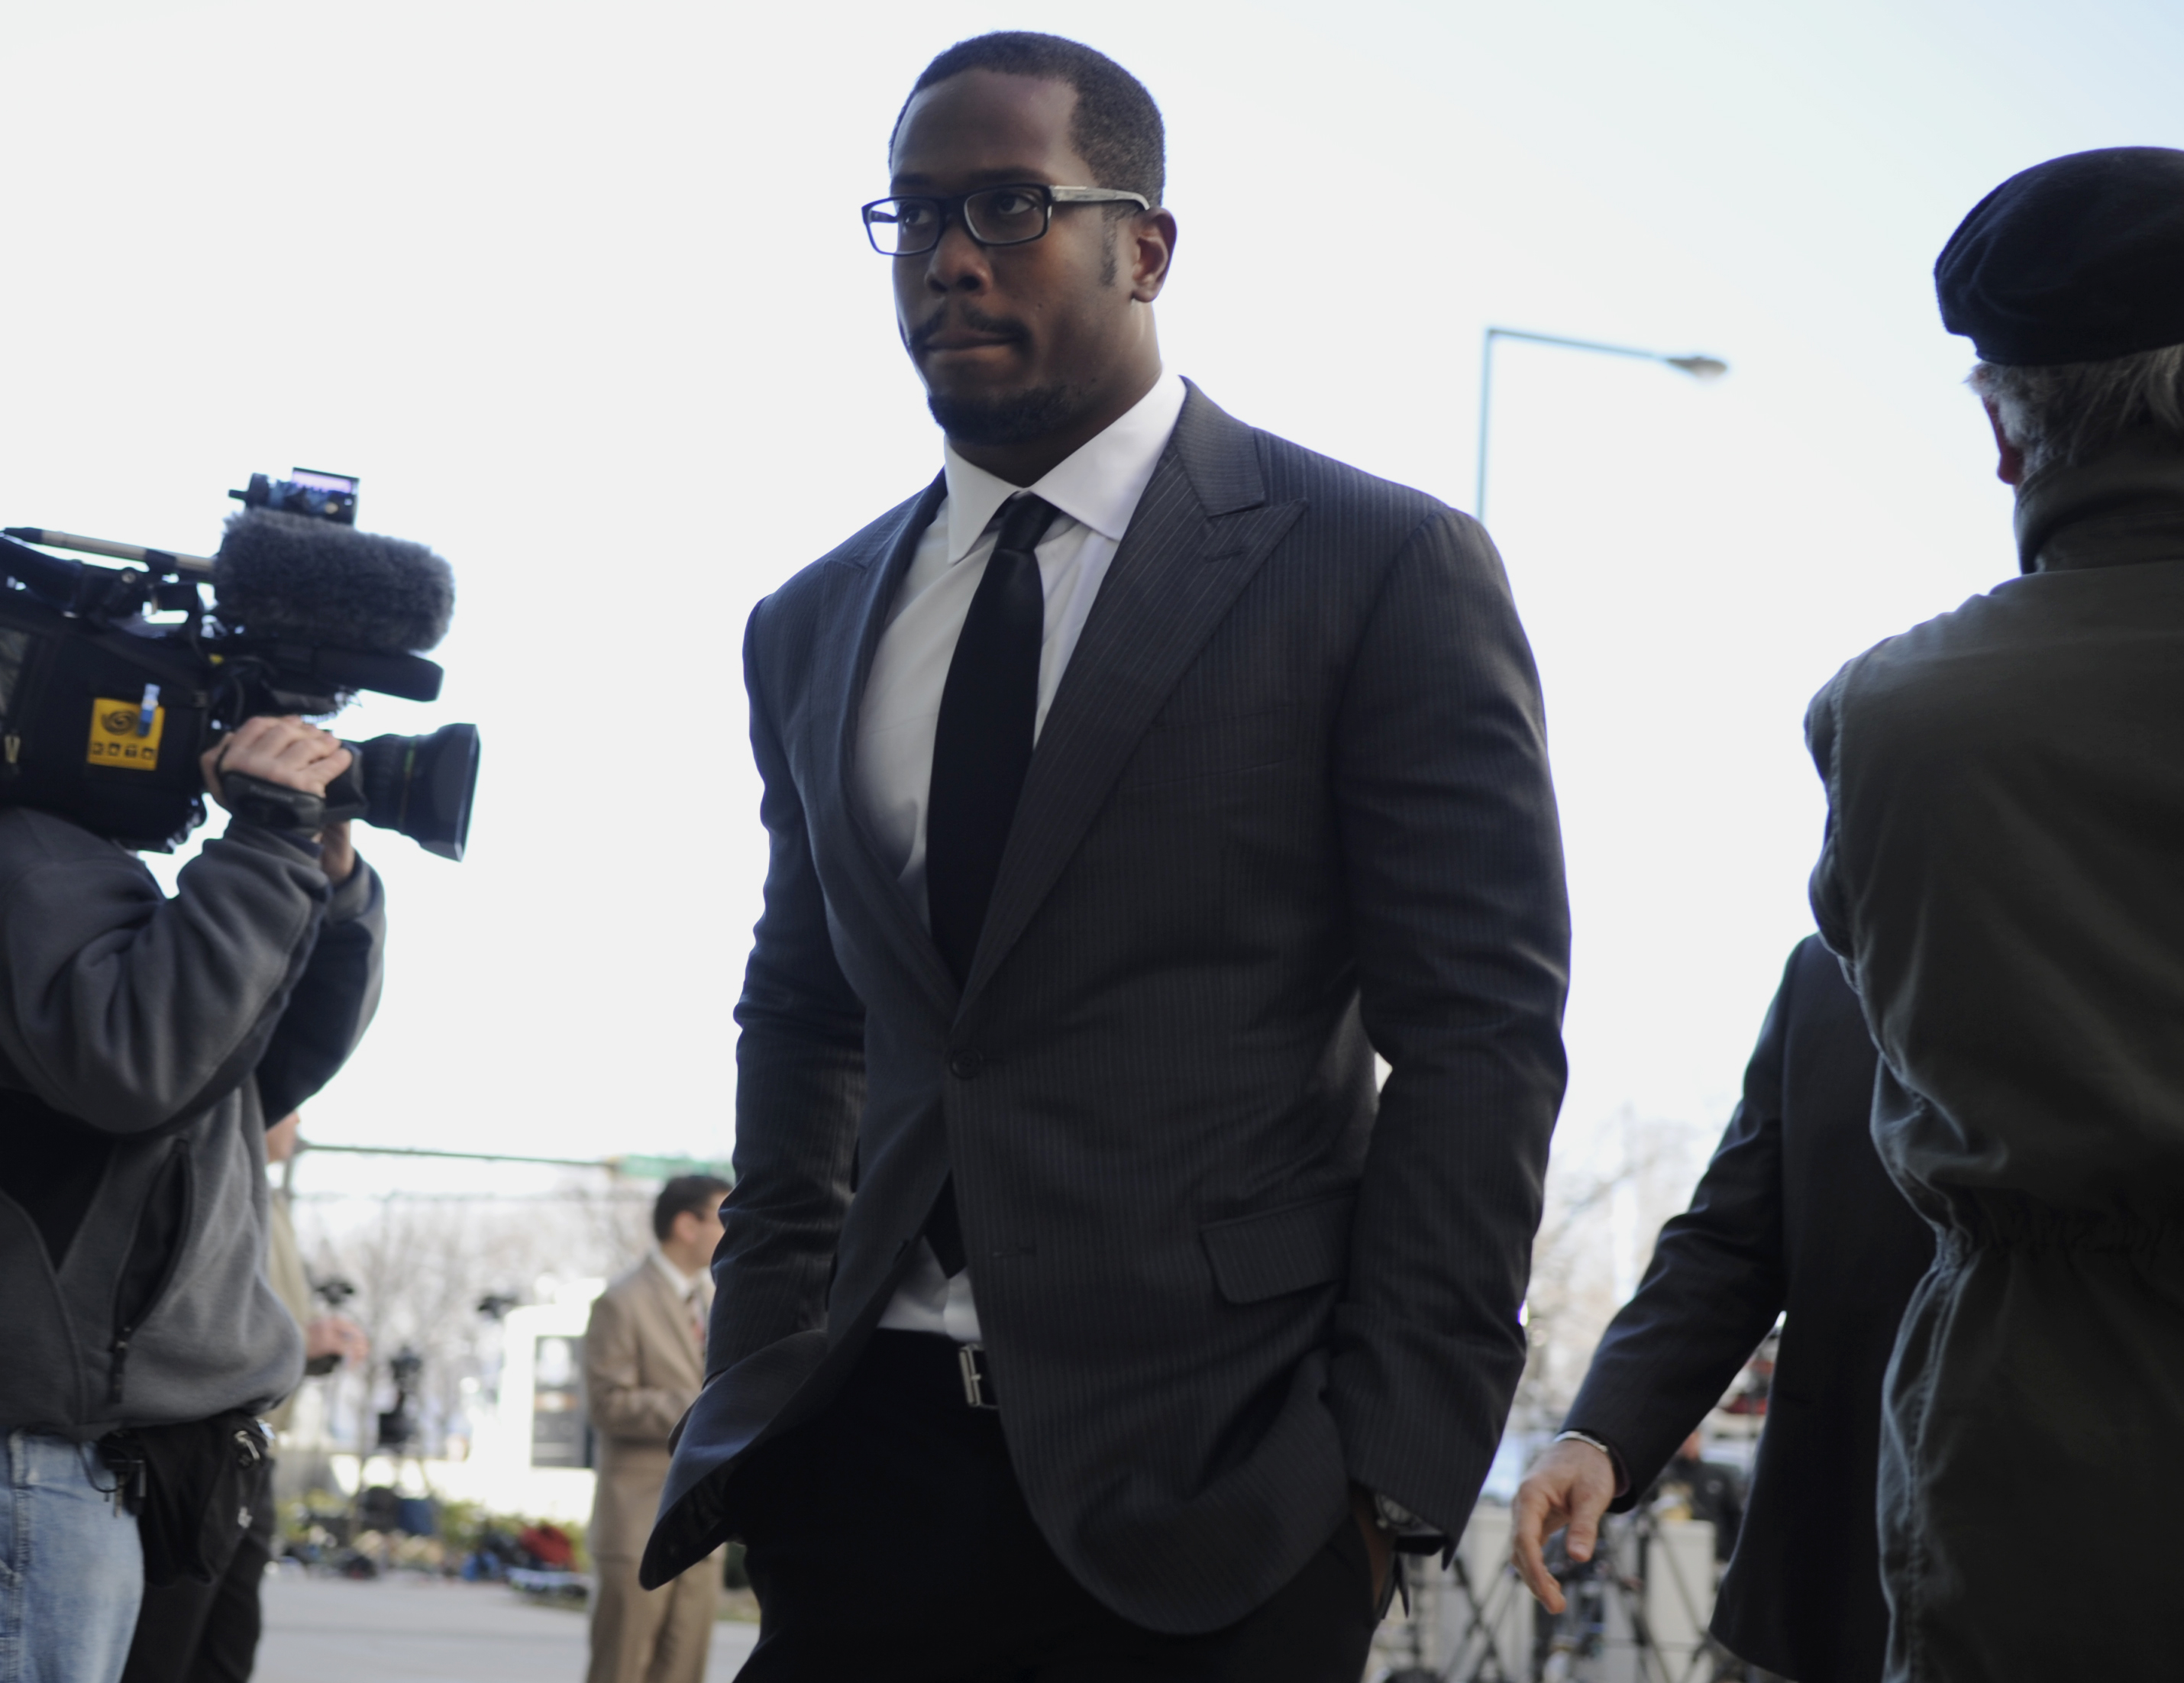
(114, 737)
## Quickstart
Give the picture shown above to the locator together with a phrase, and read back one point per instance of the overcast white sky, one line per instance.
(581, 293)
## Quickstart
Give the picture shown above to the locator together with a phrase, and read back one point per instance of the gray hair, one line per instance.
(2069, 412)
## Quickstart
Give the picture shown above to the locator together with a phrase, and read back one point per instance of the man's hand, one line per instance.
(338, 1336)
(1379, 1547)
(295, 755)
(1571, 1485)
(280, 751)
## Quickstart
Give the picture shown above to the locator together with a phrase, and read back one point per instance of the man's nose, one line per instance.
(958, 263)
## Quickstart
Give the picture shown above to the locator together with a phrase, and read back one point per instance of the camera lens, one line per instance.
(421, 786)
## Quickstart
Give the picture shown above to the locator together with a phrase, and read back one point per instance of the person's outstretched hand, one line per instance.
(1571, 1485)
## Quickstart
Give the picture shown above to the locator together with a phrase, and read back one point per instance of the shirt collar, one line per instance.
(684, 1284)
(1098, 485)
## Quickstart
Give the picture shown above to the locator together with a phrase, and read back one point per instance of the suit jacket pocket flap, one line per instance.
(1281, 1250)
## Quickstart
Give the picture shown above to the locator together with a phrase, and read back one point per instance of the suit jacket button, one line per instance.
(965, 1066)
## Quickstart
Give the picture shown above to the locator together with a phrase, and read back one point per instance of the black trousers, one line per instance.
(189, 1632)
(888, 1542)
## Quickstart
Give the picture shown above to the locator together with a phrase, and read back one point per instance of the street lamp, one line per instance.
(1699, 368)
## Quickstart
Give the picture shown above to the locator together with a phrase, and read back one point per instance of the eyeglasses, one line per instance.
(1015, 214)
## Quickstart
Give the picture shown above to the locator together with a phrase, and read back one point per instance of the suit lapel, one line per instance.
(855, 613)
(1200, 533)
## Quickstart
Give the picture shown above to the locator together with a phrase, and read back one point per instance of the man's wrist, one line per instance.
(1615, 1461)
(338, 854)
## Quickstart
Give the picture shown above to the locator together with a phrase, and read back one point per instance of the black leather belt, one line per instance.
(933, 1368)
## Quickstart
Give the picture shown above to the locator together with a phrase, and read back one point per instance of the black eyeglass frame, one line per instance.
(954, 206)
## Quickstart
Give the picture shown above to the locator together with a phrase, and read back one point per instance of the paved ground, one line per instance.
(413, 1630)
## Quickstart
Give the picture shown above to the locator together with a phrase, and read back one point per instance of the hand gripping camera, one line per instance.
(115, 680)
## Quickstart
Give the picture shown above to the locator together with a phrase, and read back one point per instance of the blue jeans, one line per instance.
(71, 1570)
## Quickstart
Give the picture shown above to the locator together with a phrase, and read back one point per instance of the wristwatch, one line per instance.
(1390, 1515)
(1408, 1532)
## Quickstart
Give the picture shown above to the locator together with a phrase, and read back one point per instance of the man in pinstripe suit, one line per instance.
(1084, 1311)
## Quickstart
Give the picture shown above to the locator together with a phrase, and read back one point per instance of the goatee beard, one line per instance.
(1015, 418)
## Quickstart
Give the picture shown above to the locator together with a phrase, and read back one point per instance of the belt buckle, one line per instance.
(977, 1383)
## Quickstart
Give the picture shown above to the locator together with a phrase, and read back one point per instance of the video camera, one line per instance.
(114, 681)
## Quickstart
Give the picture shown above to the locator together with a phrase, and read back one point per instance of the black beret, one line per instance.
(2078, 260)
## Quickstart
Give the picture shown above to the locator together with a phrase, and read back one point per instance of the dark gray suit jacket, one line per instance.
(1290, 805)
(1795, 1214)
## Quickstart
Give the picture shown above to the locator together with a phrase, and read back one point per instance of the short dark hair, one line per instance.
(698, 1194)
(1116, 124)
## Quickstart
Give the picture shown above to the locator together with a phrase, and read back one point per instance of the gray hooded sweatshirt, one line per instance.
(144, 1042)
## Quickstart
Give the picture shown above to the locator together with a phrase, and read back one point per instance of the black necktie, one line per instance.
(981, 750)
(982, 744)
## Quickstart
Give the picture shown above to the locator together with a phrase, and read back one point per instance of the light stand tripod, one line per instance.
(1636, 1612)
(1492, 1644)
(1619, 1591)
(397, 1441)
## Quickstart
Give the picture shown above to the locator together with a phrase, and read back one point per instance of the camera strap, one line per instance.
(275, 806)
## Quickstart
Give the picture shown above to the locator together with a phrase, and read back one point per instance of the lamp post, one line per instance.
(1699, 368)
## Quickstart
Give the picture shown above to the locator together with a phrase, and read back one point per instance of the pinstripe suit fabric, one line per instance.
(1291, 805)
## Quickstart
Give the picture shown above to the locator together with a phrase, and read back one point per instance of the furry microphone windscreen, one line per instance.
(294, 579)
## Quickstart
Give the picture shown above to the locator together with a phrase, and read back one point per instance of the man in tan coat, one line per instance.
(645, 1362)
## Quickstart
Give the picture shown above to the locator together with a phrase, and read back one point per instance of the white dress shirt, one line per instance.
(687, 1287)
(1097, 491)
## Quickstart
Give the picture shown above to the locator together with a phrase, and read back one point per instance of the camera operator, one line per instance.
(192, 1632)
(144, 1042)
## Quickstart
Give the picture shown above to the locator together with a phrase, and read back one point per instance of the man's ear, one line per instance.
(2010, 468)
(1151, 234)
